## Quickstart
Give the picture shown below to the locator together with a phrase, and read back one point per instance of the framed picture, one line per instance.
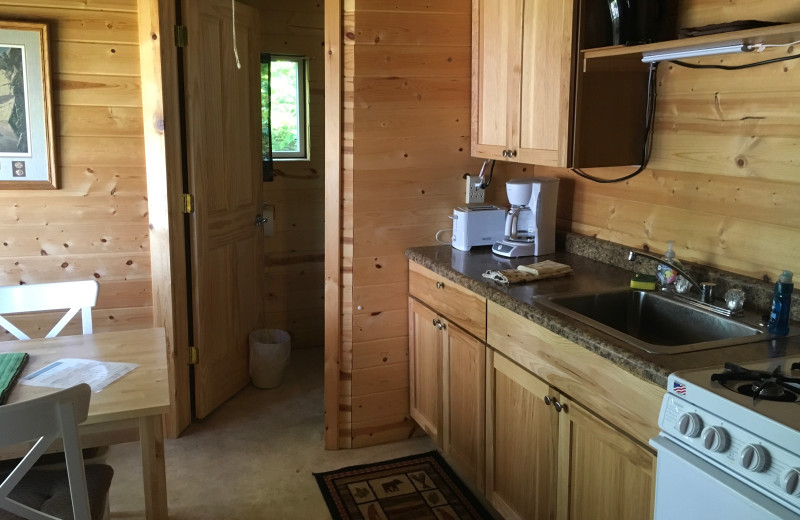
(26, 122)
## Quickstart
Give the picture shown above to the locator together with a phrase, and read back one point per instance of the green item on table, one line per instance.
(11, 365)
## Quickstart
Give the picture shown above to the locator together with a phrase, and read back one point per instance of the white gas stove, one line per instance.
(730, 442)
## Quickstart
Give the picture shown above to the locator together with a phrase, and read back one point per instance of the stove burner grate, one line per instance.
(759, 384)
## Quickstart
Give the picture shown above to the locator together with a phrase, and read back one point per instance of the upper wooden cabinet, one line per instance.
(522, 57)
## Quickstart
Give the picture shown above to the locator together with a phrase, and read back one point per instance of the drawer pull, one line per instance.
(440, 285)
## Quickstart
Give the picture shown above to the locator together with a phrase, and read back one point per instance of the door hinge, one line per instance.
(188, 203)
(181, 36)
(194, 356)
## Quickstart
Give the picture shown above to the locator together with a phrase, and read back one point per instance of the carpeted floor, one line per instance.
(253, 458)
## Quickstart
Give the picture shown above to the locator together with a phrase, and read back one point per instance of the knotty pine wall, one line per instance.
(295, 255)
(406, 147)
(96, 225)
(724, 179)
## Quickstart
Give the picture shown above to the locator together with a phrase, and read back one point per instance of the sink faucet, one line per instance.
(705, 289)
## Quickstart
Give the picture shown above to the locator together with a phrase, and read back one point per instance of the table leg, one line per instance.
(151, 438)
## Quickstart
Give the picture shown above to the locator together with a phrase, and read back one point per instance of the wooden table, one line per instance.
(141, 396)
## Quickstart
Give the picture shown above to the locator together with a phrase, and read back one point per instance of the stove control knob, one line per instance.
(754, 457)
(791, 482)
(690, 424)
(715, 438)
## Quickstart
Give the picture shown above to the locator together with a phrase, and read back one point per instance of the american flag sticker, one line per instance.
(678, 388)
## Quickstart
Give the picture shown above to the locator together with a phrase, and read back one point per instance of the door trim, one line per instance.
(159, 76)
(333, 219)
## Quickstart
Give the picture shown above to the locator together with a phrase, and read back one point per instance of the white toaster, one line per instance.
(477, 225)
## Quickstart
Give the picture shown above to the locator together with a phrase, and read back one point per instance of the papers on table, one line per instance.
(68, 372)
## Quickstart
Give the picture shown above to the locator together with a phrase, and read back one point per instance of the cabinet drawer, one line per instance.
(464, 307)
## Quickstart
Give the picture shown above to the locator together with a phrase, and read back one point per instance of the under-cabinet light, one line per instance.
(666, 55)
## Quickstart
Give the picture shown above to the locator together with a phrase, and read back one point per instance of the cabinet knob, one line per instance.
(440, 285)
(435, 321)
(558, 406)
(439, 325)
(512, 153)
(547, 400)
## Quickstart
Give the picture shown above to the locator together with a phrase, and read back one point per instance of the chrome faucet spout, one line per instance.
(633, 254)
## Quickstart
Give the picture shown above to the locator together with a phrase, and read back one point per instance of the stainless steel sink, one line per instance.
(657, 323)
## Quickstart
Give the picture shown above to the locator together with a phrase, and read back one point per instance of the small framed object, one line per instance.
(26, 122)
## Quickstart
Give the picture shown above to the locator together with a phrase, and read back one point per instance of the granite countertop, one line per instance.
(592, 262)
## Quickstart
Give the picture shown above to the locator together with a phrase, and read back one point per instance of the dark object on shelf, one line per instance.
(716, 28)
(634, 22)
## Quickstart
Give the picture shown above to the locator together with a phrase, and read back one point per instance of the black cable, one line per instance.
(648, 133)
(735, 67)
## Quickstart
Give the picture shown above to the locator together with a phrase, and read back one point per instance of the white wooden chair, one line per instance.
(37, 494)
(75, 296)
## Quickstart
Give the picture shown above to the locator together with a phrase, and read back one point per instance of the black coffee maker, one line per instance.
(634, 22)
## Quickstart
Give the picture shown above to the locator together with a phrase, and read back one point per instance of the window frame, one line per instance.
(303, 124)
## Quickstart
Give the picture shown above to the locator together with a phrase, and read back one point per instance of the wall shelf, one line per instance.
(619, 55)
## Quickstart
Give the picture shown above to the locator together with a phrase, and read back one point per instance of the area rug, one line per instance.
(419, 487)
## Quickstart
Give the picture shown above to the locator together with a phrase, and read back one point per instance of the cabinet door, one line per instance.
(521, 440)
(496, 47)
(603, 473)
(546, 85)
(464, 401)
(425, 368)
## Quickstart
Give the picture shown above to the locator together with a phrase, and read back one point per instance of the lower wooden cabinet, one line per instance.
(521, 442)
(603, 473)
(464, 398)
(550, 458)
(425, 368)
(534, 452)
(448, 395)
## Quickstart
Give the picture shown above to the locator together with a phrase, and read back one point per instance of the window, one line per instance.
(284, 107)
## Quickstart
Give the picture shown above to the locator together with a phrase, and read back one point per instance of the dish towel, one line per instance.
(529, 273)
(11, 365)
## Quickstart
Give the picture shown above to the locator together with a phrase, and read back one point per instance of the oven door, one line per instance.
(689, 488)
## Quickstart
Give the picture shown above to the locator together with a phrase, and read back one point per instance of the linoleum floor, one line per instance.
(253, 457)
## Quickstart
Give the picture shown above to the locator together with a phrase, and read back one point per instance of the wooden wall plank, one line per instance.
(53, 239)
(78, 24)
(89, 90)
(410, 28)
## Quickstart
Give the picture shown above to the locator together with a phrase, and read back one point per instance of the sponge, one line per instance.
(646, 282)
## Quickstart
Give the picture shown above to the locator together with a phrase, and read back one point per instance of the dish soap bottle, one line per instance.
(779, 315)
(665, 273)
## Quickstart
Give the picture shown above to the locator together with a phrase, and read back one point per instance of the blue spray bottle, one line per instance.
(781, 302)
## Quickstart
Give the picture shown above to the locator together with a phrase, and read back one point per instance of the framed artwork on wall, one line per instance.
(26, 121)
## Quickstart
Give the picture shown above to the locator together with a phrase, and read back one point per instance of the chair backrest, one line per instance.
(45, 419)
(75, 296)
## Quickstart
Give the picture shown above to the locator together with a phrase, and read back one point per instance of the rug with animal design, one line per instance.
(419, 487)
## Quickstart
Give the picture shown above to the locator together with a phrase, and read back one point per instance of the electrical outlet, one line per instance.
(474, 193)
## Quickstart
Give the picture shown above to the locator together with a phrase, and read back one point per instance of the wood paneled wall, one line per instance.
(724, 179)
(294, 255)
(96, 225)
(405, 150)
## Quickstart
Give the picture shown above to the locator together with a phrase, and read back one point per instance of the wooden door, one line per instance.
(497, 43)
(603, 473)
(521, 442)
(464, 398)
(223, 129)
(546, 84)
(425, 368)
